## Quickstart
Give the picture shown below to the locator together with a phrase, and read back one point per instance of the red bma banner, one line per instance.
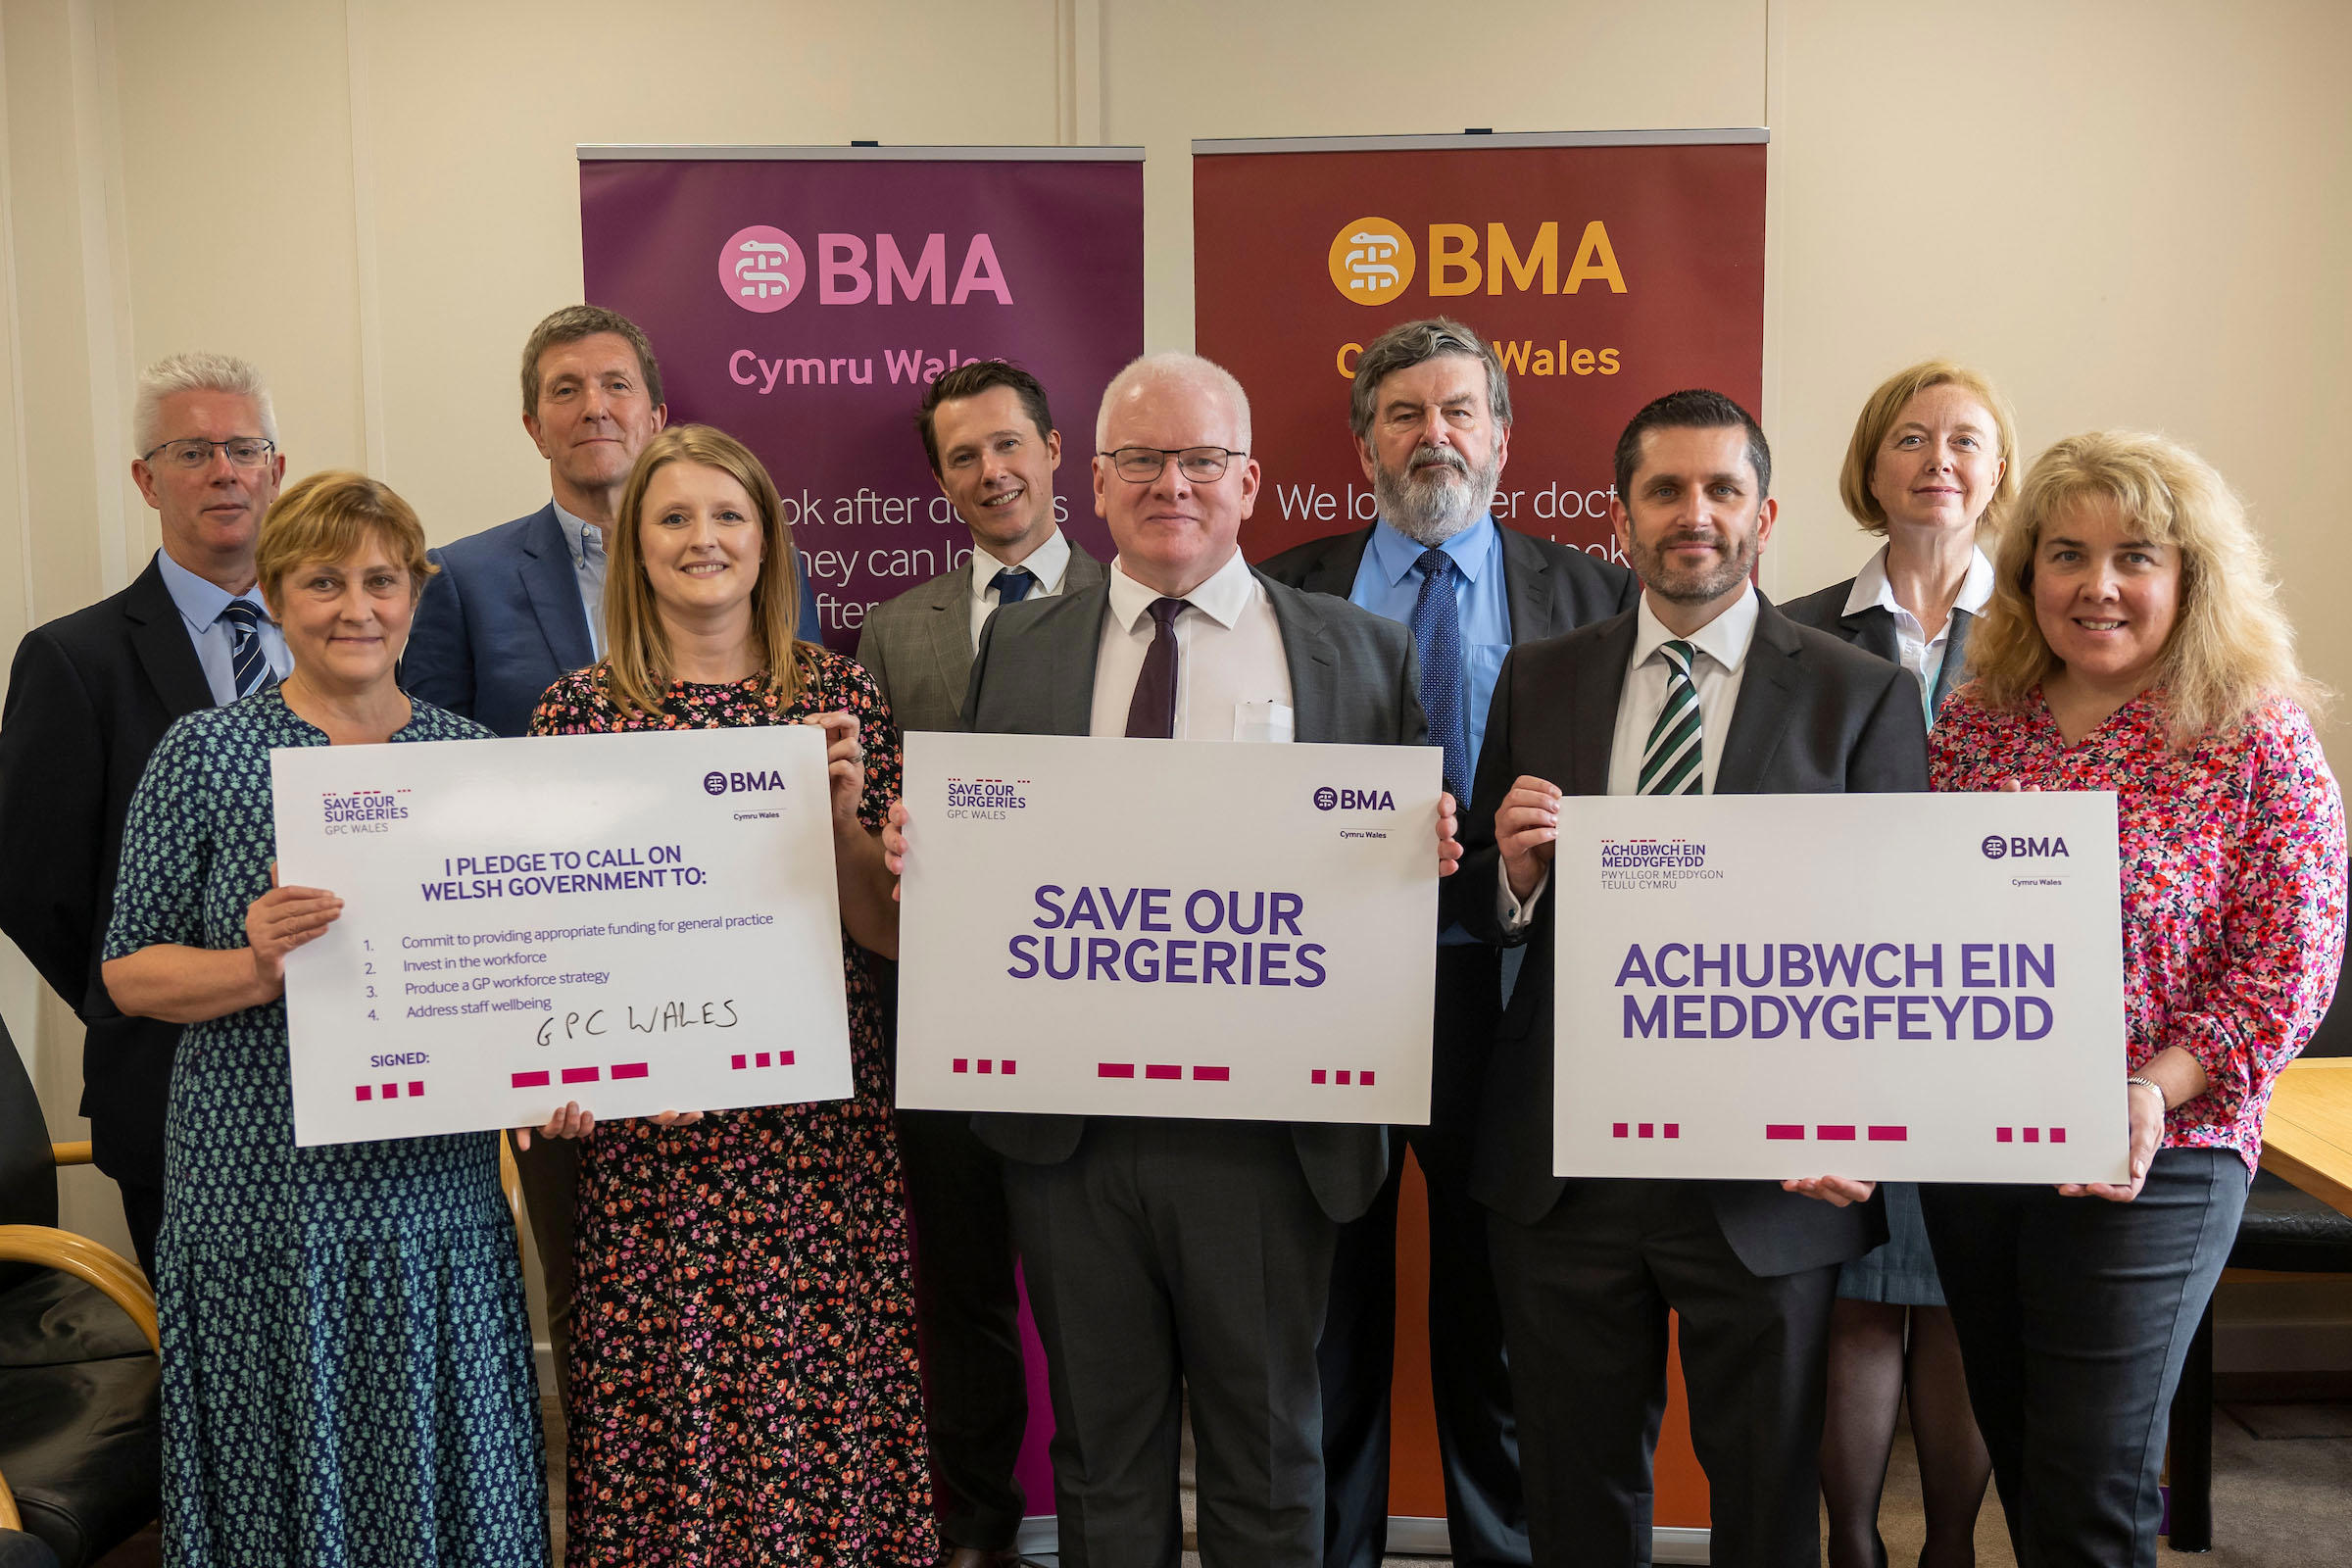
(1605, 271)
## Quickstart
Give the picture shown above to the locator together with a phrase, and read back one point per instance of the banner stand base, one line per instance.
(1411, 1535)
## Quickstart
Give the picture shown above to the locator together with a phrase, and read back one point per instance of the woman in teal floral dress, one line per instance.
(347, 1373)
(744, 1384)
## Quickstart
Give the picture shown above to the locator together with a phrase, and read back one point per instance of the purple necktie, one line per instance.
(1153, 712)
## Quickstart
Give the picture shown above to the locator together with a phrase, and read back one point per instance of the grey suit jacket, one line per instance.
(1815, 717)
(1353, 680)
(918, 646)
(1871, 630)
(1552, 588)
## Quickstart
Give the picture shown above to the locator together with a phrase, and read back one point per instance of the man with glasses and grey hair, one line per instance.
(1431, 412)
(88, 697)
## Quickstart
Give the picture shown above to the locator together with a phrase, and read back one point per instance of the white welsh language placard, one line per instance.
(1887, 987)
(638, 922)
(1169, 928)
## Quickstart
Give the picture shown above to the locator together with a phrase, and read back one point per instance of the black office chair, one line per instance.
(80, 1426)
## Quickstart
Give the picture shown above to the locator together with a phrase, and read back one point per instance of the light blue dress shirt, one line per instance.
(586, 542)
(200, 604)
(1389, 583)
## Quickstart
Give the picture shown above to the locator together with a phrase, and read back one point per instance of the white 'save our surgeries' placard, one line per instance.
(1886, 987)
(1169, 928)
(638, 922)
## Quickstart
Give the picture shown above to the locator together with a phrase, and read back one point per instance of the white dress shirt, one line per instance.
(586, 543)
(1233, 679)
(1048, 563)
(1722, 661)
(1922, 654)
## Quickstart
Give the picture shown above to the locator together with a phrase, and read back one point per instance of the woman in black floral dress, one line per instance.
(744, 1384)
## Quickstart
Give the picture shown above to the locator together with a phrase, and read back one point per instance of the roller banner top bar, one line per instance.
(601, 152)
(1729, 135)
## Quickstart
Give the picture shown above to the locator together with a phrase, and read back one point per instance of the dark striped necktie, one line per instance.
(248, 665)
(1671, 761)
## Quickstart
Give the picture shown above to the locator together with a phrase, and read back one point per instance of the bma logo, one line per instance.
(1328, 799)
(1998, 848)
(762, 268)
(1372, 260)
(719, 783)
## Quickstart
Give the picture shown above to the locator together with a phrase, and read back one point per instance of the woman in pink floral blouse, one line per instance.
(2134, 644)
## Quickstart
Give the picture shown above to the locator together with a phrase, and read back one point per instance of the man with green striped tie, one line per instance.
(1702, 688)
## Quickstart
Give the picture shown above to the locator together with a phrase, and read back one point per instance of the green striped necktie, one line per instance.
(1670, 763)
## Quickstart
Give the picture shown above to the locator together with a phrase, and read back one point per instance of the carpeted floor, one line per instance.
(2281, 1496)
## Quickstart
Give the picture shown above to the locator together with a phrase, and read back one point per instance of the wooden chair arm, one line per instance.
(10, 1519)
(84, 1259)
(70, 1154)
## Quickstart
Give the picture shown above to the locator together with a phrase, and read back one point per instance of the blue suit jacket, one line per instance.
(502, 622)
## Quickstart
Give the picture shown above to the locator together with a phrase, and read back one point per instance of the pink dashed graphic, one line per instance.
(1837, 1131)
(997, 1065)
(1168, 1071)
(1342, 1076)
(390, 1091)
(530, 1080)
(763, 1058)
(2030, 1135)
(570, 1075)
(762, 268)
(1645, 1129)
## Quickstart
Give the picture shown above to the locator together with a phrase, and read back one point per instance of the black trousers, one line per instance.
(1584, 1295)
(1478, 1441)
(143, 1213)
(976, 1389)
(550, 1171)
(1170, 1260)
(2075, 1315)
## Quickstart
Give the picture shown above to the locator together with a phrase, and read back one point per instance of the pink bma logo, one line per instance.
(762, 268)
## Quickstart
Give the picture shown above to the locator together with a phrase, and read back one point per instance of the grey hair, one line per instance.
(1174, 365)
(1411, 343)
(199, 372)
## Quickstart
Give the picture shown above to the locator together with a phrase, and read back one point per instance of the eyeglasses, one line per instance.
(1143, 464)
(244, 450)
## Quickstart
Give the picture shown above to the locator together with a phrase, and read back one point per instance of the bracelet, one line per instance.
(2152, 1084)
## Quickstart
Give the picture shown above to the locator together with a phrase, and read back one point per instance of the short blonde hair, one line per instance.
(1885, 406)
(329, 516)
(2230, 646)
(636, 643)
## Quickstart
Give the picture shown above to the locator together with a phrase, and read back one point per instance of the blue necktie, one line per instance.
(1438, 639)
(248, 665)
(1012, 584)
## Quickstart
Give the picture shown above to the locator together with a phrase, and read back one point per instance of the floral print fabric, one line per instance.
(744, 1381)
(2232, 860)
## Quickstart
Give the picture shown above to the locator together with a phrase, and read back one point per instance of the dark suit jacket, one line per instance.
(502, 622)
(1872, 630)
(1552, 588)
(1352, 681)
(89, 696)
(1815, 717)
(918, 646)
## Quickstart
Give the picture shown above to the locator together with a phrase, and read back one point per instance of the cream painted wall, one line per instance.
(2127, 211)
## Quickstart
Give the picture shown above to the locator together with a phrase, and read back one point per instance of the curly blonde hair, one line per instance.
(2230, 647)
(636, 643)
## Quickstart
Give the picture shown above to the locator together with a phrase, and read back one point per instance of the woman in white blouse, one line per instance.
(1929, 464)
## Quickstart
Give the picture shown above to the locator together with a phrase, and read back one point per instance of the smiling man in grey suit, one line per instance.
(993, 448)
(1701, 689)
(1431, 412)
(1168, 1258)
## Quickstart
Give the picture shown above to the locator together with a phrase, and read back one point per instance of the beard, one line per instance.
(1686, 585)
(1437, 495)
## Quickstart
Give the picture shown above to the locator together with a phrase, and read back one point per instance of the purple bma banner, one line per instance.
(802, 299)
